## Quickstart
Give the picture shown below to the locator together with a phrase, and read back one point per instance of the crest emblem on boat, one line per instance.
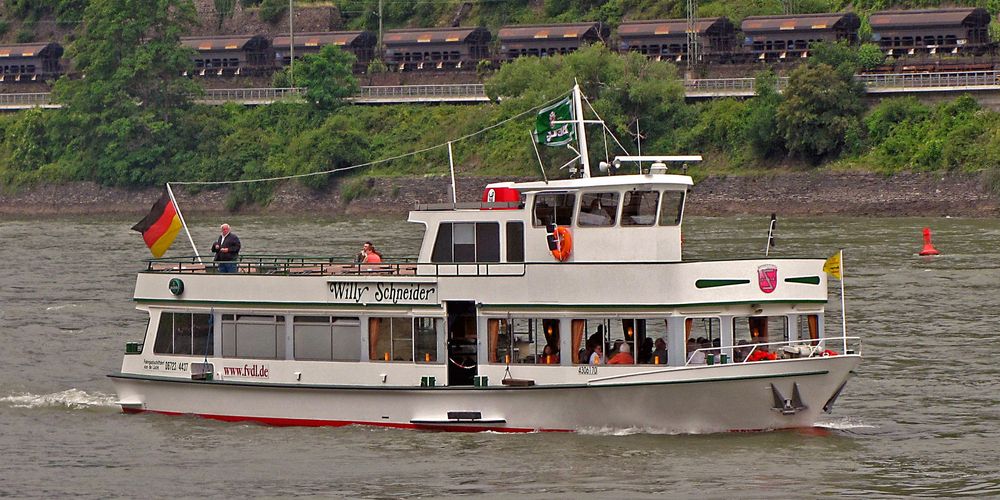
(767, 277)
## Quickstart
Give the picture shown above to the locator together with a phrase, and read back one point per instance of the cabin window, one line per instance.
(184, 333)
(639, 208)
(704, 336)
(398, 339)
(253, 336)
(553, 208)
(809, 326)
(672, 208)
(467, 242)
(325, 338)
(515, 242)
(611, 334)
(598, 209)
(524, 341)
(758, 330)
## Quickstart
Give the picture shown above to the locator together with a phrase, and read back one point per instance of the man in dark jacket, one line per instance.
(226, 250)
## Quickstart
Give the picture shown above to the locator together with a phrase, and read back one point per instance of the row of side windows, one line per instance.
(601, 209)
(477, 242)
(314, 337)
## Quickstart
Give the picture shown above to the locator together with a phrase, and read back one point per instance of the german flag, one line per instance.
(160, 226)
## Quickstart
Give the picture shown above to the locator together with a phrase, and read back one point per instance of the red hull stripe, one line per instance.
(308, 422)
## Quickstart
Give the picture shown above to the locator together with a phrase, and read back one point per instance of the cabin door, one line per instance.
(462, 353)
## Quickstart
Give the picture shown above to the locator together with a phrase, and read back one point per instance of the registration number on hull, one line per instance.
(587, 370)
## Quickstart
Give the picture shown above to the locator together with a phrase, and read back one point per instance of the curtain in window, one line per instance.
(373, 327)
(813, 321)
(578, 326)
(493, 330)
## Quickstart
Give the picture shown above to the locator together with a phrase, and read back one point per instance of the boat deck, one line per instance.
(284, 266)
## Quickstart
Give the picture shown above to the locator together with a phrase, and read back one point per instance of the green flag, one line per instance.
(548, 132)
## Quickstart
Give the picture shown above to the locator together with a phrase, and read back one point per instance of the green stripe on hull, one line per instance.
(718, 283)
(805, 280)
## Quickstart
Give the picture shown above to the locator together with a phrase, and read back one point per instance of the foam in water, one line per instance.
(72, 398)
(845, 423)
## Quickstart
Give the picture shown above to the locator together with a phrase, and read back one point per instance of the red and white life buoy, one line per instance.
(560, 242)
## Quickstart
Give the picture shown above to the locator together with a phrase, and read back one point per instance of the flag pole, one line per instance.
(184, 224)
(843, 300)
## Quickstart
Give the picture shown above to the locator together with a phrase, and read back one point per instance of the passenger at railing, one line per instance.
(550, 356)
(226, 250)
(660, 353)
(695, 356)
(623, 357)
(646, 351)
(368, 254)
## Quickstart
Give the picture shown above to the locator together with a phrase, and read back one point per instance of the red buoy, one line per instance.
(928, 246)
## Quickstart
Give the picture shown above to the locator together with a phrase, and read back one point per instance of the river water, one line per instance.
(921, 418)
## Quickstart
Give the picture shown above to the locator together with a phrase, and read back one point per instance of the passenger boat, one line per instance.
(493, 326)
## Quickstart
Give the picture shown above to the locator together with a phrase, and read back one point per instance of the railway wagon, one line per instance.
(230, 55)
(932, 31)
(30, 61)
(667, 39)
(774, 38)
(436, 48)
(359, 43)
(548, 39)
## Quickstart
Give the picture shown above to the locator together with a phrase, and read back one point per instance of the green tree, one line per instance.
(761, 125)
(223, 10)
(327, 76)
(870, 56)
(821, 108)
(125, 108)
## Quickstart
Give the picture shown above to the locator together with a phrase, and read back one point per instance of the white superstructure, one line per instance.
(494, 324)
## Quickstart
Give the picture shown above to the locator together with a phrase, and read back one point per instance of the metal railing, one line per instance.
(283, 265)
(415, 91)
(249, 95)
(812, 347)
(474, 92)
(27, 100)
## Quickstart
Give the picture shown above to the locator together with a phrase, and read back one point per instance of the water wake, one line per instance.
(843, 424)
(73, 398)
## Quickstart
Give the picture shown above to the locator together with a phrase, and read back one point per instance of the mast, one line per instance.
(581, 132)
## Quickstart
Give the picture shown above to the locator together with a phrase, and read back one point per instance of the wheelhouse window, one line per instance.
(598, 209)
(672, 208)
(639, 208)
(403, 339)
(253, 336)
(553, 208)
(184, 333)
(326, 338)
(467, 242)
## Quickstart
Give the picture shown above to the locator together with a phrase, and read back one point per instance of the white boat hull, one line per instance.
(733, 397)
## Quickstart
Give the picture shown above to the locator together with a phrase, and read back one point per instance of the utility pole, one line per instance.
(291, 43)
(693, 52)
(379, 45)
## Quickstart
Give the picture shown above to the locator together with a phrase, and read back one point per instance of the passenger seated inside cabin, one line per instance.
(695, 357)
(741, 351)
(645, 355)
(597, 354)
(623, 357)
(550, 356)
(660, 352)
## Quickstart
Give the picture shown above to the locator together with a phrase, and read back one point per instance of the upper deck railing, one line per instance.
(283, 265)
